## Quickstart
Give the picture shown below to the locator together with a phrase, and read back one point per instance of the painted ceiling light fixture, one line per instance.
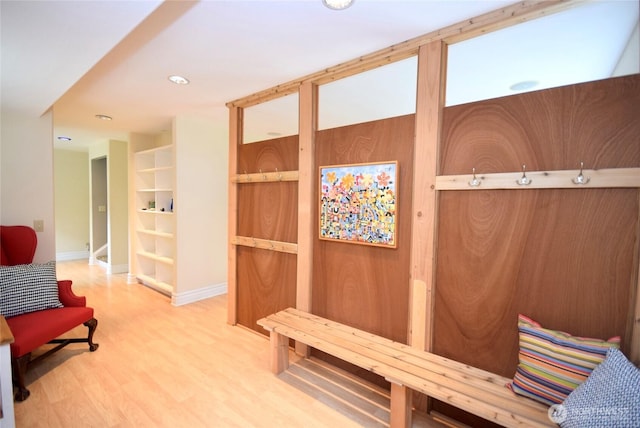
(103, 117)
(178, 80)
(337, 4)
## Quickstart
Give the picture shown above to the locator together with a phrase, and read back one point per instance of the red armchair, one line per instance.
(17, 245)
(34, 329)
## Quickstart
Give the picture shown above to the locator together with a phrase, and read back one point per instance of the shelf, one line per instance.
(156, 169)
(154, 150)
(153, 246)
(154, 190)
(158, 285)
(156, 233)
(155, 212)
(153, 256)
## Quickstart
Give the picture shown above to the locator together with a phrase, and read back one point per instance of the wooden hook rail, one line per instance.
(266, 244)
(265, 177)
(566, 179)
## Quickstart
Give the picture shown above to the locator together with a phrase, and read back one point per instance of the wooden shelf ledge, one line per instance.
(265, 177)
(266, 244)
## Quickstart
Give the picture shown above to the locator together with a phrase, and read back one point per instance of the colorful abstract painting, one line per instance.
(358, 203)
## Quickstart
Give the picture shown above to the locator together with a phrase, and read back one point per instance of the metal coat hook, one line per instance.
(264, 176)
(524, 180)
(248, 176)
(279, 175)
(580, 179)
(475, 181)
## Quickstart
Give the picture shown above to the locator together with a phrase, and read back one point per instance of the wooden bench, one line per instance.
(407, 369)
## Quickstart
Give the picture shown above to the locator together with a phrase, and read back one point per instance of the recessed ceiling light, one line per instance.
(337, 4)
(64, 138)
(103, 117)
(179, 80)
(524, 85)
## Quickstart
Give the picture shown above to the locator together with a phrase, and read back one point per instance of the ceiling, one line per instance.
(84, 58)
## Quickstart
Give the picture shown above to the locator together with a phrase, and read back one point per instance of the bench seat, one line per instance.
(407, 369)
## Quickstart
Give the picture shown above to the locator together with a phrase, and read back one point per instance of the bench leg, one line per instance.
(401, 406)
(279, 352)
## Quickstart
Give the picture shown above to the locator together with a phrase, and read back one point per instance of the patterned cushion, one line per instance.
(553, 363)
(28, 288)
(609, 398)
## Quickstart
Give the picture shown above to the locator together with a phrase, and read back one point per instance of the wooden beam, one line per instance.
(265, 177)
(265, 244)
(488, 22)
(235, 139)
(432, 60)
(308, 124)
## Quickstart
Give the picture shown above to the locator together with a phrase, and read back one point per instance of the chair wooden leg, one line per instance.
(92, 324)
(19, 369)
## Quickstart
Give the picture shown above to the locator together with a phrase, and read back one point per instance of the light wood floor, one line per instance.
(165, 366)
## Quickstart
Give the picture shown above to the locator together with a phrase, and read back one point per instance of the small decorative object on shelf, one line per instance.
(152, 205)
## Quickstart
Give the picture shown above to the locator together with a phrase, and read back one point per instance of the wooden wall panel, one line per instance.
(562, 257)
(567, 258)
(266, 284)
(268, 210)
(364, 286)
(266, 280)
(553, 129)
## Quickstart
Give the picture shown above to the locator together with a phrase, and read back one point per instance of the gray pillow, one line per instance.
(609, 398)
(28, 288)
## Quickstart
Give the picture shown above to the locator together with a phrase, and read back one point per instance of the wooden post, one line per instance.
(400, 406)
(429, 105)
(306, 233)
(235, 139)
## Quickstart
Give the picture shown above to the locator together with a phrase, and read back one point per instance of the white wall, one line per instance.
(26, 175)
(116, 201)
(71, 184)
(629, 62)
(201, 204)
(118, 206)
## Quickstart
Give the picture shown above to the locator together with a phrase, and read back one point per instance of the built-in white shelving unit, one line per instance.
(155, 219)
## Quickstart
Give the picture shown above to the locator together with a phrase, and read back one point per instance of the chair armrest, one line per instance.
(66, 295)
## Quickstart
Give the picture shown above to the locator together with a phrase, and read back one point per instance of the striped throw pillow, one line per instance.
(553, 363)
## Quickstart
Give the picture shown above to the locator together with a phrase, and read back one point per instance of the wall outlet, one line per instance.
(38, 225)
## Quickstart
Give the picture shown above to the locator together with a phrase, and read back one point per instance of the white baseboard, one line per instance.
(111, 269)
(179, 299)
(72, 255)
